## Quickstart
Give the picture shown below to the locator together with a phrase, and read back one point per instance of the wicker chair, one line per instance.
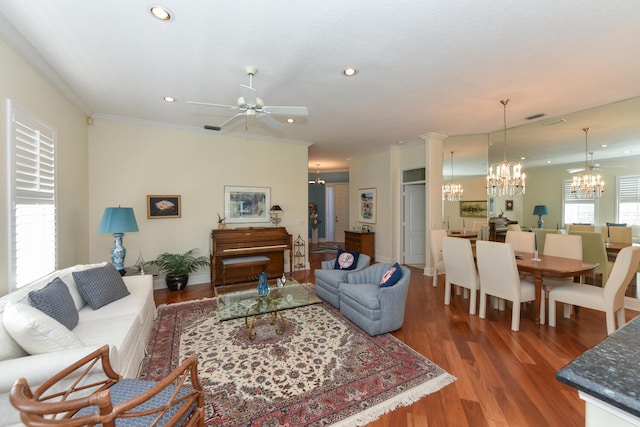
(68, 399)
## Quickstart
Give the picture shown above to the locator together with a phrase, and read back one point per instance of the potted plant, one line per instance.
(177, 267)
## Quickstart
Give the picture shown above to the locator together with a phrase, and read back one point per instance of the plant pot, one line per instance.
(176, 282)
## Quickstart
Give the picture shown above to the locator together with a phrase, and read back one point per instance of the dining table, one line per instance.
(462, 234)
(553, 266)
(615, 247)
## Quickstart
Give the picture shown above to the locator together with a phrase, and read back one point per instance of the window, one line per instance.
(576, 210)
(32, 193)
(628, 203)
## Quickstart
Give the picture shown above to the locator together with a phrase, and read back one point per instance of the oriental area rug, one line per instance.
(323, 370)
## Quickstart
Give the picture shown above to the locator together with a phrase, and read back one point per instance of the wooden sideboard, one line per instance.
(360, 242)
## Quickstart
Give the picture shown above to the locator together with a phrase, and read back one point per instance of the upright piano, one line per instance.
(271, 242)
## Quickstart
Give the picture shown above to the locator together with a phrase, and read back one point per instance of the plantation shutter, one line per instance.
(629, 199)
(33, 191)
(577, 210)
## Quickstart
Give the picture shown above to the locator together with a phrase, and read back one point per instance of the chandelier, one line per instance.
(505, 178)
(317, 181)
(588, 185)
(452, 192)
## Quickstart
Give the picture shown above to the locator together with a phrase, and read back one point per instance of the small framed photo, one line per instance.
(508, 205)
(365, 228)
(367, 211)
(164, 207)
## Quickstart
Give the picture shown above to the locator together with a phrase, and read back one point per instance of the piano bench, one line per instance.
(244, 269)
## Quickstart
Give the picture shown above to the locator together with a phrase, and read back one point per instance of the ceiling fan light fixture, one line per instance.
(506, 178)
(589, 185)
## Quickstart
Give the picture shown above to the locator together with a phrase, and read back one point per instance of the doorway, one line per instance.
(337, 211)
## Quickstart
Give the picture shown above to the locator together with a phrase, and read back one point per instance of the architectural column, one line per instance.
(433, 198)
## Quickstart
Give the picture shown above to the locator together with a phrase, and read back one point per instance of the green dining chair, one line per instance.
(594, 250)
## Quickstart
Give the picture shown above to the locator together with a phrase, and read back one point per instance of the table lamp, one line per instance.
(275, 211)
(540, 210)
(118, 221)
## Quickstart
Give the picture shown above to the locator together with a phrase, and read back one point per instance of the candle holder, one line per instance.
(535, 256)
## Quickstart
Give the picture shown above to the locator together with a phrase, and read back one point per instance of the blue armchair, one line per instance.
(328, 280)
(376, 310)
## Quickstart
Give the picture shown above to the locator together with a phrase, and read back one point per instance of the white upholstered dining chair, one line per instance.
(436, 253)
(609, 298)
(499, 278)
(522, 241)
(460, 269)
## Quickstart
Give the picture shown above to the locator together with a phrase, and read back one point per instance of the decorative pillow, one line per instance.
(346, 260)
(100, 286)
(391, 276)
(35, 331)
(55, 300)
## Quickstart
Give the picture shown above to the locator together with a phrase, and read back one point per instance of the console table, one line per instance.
(362, 242)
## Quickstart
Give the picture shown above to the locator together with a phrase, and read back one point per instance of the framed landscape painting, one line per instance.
(246, 204)
(368, 200)
(163, 207)
(476, 208)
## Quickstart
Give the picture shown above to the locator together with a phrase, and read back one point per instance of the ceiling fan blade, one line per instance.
(576, 170)
(211, 127)
(270, 121)
(249, 95)
(209, 104)
(285, 110)
(232, 120)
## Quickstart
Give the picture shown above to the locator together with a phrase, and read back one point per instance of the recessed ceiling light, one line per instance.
(169, 99)
(350, 72)
(522, 158)
(161, 13)
(626, 151)
(290, 120)
(548, 161)
(603, 146)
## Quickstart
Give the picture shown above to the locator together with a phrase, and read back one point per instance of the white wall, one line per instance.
(25, 87)
(128, 161)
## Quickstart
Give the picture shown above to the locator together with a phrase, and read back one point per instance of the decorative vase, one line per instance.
(222, 226)
(263, 285)
(176, 282)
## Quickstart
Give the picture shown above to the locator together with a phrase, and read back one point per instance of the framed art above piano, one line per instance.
(246, 204)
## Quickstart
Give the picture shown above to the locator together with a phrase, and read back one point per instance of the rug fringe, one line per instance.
(403, 399)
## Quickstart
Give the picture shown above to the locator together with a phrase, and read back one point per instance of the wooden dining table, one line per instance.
(615, 247)
(463, 234)
(550, 266)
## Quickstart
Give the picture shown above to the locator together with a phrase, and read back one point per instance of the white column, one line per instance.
(433, 164)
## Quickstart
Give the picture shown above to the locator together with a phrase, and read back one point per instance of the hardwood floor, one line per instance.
(504, 378)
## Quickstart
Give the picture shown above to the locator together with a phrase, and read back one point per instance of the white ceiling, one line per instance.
(424, 66)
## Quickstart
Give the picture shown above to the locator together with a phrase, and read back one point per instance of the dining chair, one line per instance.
(609, 298)
(514, 227)
(594, 250)
(581, 227)
(522, 241)
(436, 253)
(499, 278)
(565, 246)
(541, 235)
(617, 234)
(460, 269)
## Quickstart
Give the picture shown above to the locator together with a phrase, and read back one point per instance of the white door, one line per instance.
(414, 224)
(341, 211)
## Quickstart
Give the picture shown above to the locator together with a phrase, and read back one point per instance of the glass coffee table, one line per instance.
(243, 301)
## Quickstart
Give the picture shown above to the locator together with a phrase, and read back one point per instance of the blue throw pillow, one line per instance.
(100, 286)
(55, 301)
(346, 260)
(391, 276)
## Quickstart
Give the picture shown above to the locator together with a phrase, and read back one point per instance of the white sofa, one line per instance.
(124, 324)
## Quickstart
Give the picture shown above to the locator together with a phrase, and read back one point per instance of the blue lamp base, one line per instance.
(118, 252)
(540, 221)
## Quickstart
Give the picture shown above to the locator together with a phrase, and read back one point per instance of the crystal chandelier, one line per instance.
(588, 185)
(505, 178)
(452, 192)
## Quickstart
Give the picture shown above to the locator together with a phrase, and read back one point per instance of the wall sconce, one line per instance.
(118, 221)
(275, 211)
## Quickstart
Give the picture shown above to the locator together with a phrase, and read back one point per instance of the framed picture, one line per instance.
(476, 208)
(367, 211)
(164, 207)
(492, 204)
(246, 204)
(508, 205)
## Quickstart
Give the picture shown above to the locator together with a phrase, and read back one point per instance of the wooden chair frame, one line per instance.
(44, 407)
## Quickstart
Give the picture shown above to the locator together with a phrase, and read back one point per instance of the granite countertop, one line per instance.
(610, 371)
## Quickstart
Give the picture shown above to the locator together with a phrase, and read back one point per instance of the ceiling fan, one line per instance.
(588, 166)
(250, 105)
